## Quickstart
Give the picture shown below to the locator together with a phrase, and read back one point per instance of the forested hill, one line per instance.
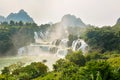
(16, 17)
(15, 35)
(104, 39)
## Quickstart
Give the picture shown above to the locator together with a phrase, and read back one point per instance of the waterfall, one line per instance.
(21, 51)
(79, 44)
(61, 53)
(63, 48)
(64, 43)
(59, 46)
(40, 36)
(35, 35)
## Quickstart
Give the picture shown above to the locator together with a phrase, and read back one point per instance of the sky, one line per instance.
(95, 12)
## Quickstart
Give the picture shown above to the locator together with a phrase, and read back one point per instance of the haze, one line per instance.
(96, 12)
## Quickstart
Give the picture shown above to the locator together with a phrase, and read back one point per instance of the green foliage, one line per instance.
(12, 23)
(99, 76)
(2, 77)
(20, 23)
(110, 54)
(62, 64)
(31, 71)
(5, 42)
(93, 56)
(77, 58)
(23, 76)
(116, 74)
(6, 70)
(70, 73)
(15, 35)
(50, 76)
(103, 39)
(67, 70)
(93, 68)
(115, 62)
(28, 72)
(71, 39)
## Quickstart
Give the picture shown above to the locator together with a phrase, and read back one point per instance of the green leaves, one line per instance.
(28, 72)
(77, 58)
(103, 39)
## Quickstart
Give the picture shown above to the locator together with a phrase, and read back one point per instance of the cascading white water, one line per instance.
(41, 49)
(21, 51)
(62, 48)
(79, 44)
(33, 49)
(64, 43)
(61, 53)
(40, 36)
(59, 46)
(36, 36)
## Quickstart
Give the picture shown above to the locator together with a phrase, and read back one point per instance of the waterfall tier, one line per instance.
(59, 47)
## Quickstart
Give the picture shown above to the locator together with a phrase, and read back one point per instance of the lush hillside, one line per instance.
(104, 39)
(15, 35)
(101, 62)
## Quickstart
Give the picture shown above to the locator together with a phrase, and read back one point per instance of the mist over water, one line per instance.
(51, 47)
(52, 44)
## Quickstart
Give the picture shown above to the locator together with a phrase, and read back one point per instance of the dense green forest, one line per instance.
(101, 62)
(14, 35)
(104, 39)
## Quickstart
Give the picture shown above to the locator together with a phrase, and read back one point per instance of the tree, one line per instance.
(96, 70)
(93, 56)
(77, 58)
(20, 23)
(31, 71)
(6, 43)
(6, 71)
(62, 64)
(12, 23)
(4, 23)
(103, 39)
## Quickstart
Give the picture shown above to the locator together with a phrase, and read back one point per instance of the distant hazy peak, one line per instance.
(118, 21)
(22, 10)
(71, 20)
(20, 16)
